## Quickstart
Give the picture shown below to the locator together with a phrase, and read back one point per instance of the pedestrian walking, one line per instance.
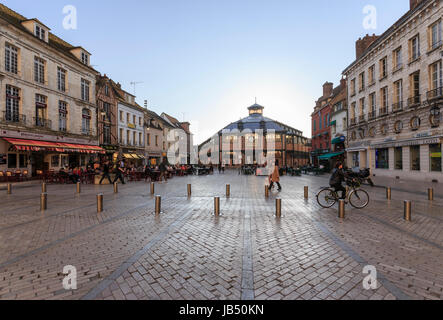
(106, 173)
(119, 170)
(163, 170)
(275, 177)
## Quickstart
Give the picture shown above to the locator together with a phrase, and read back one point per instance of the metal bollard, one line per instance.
(152, 188)
(278, 208)
(341, 209)
(100, 202)
(267, 191)
(408, 210)
(388, 193)
(79, 188)
(189, 190)
(9, 188)
(115, 187)
(43, 201)
(217, 206)
(228, 190)
(306, 192)
(431, 194)
(43, 187)
(158, 205)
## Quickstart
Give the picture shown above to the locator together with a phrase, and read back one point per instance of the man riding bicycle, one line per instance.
(337, 178)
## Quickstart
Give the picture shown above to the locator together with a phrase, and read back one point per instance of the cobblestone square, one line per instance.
(128, 253)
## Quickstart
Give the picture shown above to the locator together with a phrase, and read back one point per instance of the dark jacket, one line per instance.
(105, 168)
(337, 177)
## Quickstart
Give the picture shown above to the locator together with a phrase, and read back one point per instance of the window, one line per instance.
(121, 136)
(140, 138)
(156, 141)
(352, 87)
(139, 121)
(383, 68)
(11, 59)
(164, 145)
(361, 81)
(107, 90)
(12, 104)
(107, 110)
(372, 107)
(134, 140)
(86, 121)
(55, 161)
(382, 158)
(121, 116)
(85, 90)
(353, 109)
(415, 123)
(415, 87)
(371, 74)
(362, 106)
(127, 117)
(40, 32)
(398, 158)
(435, 157)
(148, 139)
(398, 62)
(384, 98)
(398, 126)
(414, 48)
(128, 137)
(39, 70)
(398, 94)
(62, 115)
(133, 120)
(415, 158)
(315, 125)
(106, 134)
(436, 75)
(85, 58)
(22, 161)
(434, 35)
(40, 111)
(61, 79)
(12, 161)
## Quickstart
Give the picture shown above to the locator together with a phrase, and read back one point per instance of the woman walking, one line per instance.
(275, 177)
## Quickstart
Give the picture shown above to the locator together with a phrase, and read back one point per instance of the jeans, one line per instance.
(106, 175)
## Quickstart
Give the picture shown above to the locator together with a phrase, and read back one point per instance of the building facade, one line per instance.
(339, 122)
(185, 126)
(156, 141)
(395, 94)
(47, 100)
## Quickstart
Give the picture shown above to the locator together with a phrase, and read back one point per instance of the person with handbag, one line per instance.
(275, 177)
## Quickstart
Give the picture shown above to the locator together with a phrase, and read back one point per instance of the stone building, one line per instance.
(185, 126)
(395, 97)
(339, 121)
(47, 101)
(156, 141)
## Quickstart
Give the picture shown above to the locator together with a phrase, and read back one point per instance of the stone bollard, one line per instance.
(43, 187)
(228, 190)
(189, 190)
(408, 210)
(306, 193)
(43, 201)
(158, 205)
(115, 187)
(152, 188)
(341, 209)
(217, 206)
(431, 194)
(278, 208)
(79, 187)
(388, 193)
(266, 191)
(9, 188)
(100, 202)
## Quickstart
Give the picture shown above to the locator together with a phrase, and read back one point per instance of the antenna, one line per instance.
(134, 83)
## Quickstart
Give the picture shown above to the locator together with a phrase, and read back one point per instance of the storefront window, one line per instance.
(23, 161)
(65, 162)
(55, 161)
(12, 161)
(382, 158)
(398, 158)
(415, 158)
(435, 157)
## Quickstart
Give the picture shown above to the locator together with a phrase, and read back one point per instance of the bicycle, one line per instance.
(358, 198)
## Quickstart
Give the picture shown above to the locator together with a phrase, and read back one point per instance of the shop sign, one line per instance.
(436, 155)
(422, 135)
(408, 143)
(130, 125)
(45, 137)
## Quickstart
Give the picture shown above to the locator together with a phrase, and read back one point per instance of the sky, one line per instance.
(205, 61)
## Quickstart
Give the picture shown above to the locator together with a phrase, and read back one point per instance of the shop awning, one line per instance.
(35, 145)
(330, 155)
(338, 140)
(133, 156)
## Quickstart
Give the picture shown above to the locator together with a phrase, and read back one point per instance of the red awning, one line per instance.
(35, 145)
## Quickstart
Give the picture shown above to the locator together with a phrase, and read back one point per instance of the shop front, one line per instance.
(133, 159)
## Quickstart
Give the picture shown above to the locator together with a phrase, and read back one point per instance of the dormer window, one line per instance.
(85, 58)
(40, 32)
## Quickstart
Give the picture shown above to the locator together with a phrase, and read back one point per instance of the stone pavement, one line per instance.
(126, 252)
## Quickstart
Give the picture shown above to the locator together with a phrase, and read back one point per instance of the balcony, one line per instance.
(353, 122)
(13, 118)
(362, 119)
(435, 94)
(372, 115)
(42, 123)
(414, 101)
(397, 107)
(383, 111)
(86, 132)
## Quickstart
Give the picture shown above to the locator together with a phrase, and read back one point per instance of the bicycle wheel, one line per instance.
(359, 199)
(326, 198)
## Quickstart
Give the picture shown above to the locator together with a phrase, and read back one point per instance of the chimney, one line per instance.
(363, 44)
(414, 3)
(343, 82)
(185, 126)
(327, 89)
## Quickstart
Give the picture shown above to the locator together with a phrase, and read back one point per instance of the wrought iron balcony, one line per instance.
(435, 94)
(42, 123)
(86, 131)
(362, 119)
(397, 107)
(414, 101)
(353, 122)
(13, 118)
(383, 111)
(372, 115)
